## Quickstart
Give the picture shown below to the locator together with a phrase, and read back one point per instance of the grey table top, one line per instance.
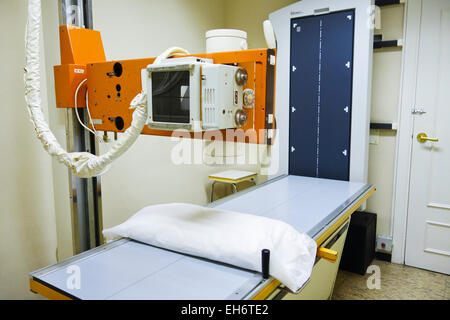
(127, 269)
(307, 204)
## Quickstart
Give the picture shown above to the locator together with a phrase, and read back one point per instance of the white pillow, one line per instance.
(224, 236)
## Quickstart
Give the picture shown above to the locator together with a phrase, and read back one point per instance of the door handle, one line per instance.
(423, 137)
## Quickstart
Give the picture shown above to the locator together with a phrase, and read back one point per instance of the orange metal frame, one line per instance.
(109, 95)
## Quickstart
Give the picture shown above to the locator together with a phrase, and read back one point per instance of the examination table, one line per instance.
(126, 269)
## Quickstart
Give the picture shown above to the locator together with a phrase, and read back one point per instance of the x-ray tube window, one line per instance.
(170, 96)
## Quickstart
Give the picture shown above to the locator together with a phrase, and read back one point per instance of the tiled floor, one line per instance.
(398, 282)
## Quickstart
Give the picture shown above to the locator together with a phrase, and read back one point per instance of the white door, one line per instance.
(428, 226)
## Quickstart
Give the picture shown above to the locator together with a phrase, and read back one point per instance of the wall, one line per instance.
(249, 16)
(27, 214)
(385, 101)
(57, 122)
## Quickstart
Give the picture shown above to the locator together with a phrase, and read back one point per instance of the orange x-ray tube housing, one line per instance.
(112, 85)
(79, 47)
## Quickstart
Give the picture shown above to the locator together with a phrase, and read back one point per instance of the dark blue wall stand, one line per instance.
(321, 95)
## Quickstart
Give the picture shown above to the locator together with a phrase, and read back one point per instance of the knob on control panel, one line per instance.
(241, 77)
(241, 118)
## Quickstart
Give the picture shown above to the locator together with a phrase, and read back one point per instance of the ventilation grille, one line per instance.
(210, 110)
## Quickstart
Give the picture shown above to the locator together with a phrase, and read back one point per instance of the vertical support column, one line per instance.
(85, 194)
(71, 12)
(94, 184)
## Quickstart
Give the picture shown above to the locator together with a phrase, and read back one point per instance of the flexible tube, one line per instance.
(82, 164)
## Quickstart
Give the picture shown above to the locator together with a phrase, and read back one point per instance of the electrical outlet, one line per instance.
(384, 243)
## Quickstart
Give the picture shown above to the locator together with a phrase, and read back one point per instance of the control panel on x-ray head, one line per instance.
(195, 94)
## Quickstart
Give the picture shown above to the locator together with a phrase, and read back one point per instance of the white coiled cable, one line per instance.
(82, 164)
